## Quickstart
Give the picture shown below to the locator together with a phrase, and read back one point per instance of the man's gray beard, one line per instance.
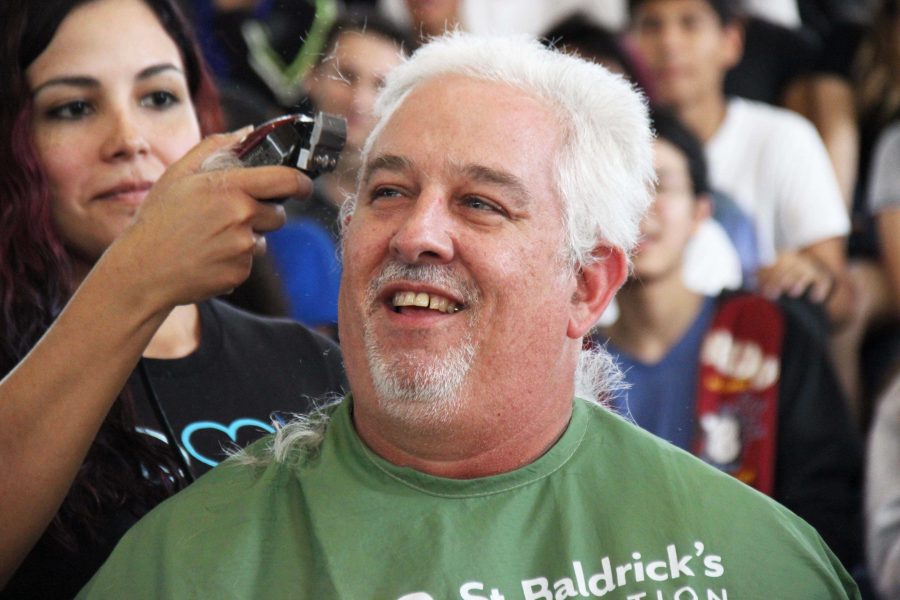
(410, 386)
(416, 390)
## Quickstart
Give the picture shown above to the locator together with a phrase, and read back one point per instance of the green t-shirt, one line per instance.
(609, 511)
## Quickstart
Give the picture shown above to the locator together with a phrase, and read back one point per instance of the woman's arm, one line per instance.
(194, 238)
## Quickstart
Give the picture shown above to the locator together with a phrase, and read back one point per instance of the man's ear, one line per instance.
(597, 283)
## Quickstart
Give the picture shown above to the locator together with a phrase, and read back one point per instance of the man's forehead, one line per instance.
(499, 113)
(485, 130)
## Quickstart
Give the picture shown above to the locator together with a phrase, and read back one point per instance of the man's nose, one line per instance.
(425, 234)
(125, 136)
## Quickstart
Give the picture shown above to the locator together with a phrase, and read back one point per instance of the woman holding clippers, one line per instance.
(121, 382)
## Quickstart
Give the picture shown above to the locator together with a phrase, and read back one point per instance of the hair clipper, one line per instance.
(311, 144)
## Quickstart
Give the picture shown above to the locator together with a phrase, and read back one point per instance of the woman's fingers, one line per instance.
(271, 182)
(199, 230)
(191, 162)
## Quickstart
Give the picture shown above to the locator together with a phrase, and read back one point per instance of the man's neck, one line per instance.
(653, 317)
(704, 116)
(487, 436)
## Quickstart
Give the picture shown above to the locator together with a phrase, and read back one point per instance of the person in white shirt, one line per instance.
(769, 160)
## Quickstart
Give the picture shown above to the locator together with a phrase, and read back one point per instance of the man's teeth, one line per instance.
(423, 300)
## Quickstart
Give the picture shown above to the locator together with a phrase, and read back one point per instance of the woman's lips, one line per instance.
(129, 192)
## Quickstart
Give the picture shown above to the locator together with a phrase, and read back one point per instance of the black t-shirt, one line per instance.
(246, 368)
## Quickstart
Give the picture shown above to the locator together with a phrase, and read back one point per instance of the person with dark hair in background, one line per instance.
(769, 160)
(735, 261)
(359, 50)
(111, 238)
(740, 381)
(866, 350)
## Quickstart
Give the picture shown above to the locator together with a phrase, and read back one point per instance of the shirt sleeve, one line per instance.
(810, 206)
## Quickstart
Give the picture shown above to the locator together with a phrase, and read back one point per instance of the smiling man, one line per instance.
(501, 193)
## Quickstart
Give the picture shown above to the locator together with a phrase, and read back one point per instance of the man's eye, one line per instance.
(71, 110)
(159, 99)
(479, 204)
(385, 192)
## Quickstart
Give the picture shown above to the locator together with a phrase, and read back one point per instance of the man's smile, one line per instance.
(436, 302)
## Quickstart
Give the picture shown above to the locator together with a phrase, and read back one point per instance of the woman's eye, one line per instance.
(159, 99)
(71, 110)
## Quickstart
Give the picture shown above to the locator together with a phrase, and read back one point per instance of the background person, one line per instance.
(883, 494)
(360, 49)
(740, 381)
(770, 161)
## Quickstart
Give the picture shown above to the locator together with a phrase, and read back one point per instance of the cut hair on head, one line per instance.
(604, 170)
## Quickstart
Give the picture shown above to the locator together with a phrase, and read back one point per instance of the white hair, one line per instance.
(597, 378)
(604, 171)
(297, 440)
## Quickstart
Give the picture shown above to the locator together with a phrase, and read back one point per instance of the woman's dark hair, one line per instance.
(35, 270)
(669, 128)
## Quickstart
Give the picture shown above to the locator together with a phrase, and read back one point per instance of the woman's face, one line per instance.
(112, 110)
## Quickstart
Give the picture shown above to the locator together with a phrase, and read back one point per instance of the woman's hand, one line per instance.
(197, 232)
